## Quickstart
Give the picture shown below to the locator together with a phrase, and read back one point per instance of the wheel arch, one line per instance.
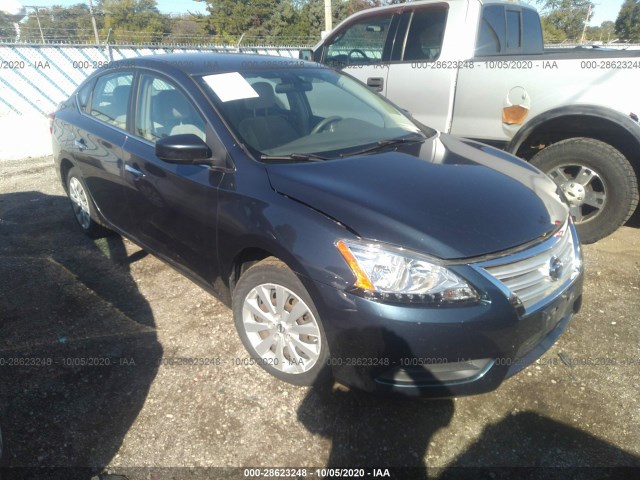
(600, 123)
(65, 166)
(249, 255)
(243, 260)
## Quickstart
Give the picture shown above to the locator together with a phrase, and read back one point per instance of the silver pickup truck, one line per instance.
(478, 69)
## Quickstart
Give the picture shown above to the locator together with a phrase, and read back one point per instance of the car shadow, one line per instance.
(386, 431)
(374, 431)
(78, 346)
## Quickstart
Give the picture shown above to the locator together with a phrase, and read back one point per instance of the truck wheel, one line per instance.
(597, 180)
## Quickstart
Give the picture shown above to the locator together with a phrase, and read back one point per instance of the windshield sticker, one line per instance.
(230, 86)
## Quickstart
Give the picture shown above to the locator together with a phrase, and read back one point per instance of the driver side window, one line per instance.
(164, 110)
(361, 43)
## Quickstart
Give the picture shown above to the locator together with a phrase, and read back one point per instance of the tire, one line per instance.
(598, 181)
(82, 205)
(302, 358)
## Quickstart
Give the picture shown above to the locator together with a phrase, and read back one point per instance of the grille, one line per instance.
(545, 271)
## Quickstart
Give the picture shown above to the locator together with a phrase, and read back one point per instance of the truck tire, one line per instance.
(598, 182)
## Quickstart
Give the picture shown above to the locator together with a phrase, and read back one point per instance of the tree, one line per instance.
(59, 24)
(607, 31)
(269, 18)
(628, 22)
(185, 28)
(134, 20)
(7, 29)
(565, 18)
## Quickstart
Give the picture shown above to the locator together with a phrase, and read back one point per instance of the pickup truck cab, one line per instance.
(478, 69)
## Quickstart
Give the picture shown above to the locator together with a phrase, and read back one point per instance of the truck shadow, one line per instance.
(78, 347)
(530, 445)
(634, 221)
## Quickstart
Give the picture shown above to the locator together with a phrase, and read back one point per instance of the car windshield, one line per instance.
(307, 113)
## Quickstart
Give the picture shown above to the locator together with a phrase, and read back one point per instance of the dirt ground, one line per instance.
(94, 337)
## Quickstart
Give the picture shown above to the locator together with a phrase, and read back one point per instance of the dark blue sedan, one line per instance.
(347, 238)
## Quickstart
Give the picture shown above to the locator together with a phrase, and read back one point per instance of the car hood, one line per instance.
(445, 197)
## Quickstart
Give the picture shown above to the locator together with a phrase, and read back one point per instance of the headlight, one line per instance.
(394, 274)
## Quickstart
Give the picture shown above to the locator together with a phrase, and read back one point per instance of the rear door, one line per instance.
(422, 73)
(97, 146)
(363, 48)
(494, 99)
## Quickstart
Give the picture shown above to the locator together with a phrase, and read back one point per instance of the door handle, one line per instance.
(134, 171)
(375, 83)
(80, 145)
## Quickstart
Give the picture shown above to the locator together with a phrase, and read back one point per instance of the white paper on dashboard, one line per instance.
(230, 86)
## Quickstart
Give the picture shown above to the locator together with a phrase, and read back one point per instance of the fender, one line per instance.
(628, 123)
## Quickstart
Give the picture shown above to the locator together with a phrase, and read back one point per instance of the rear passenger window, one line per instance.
(424, 37)
(361, 43)
(514, 41)
(493, 31)
(164, 110)
(110, 99)
(83, 96)
(508, 31)
(531, 32)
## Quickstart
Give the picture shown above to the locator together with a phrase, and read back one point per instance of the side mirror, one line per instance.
(305, 54)
(185, 148)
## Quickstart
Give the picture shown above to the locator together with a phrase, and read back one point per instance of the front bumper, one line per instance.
(437, 352)
(442, 351)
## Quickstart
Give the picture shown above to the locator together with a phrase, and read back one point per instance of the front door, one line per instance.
(362, 49)
(173, 207)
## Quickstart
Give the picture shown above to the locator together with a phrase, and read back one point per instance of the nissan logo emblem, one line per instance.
(555, 268)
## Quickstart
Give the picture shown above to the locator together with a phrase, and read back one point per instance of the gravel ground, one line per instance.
(136, 411)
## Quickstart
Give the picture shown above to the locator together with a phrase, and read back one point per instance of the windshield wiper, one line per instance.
(387, 143)
(293, 157)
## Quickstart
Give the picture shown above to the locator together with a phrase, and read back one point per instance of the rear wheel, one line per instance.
(598, 182)
(278, 323)
(82, 205)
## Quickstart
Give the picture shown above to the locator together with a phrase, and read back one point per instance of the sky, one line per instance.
(604, 10)
(165, 6)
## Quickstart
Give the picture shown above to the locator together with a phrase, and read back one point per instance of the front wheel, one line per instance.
(278, 323)
(598, 182)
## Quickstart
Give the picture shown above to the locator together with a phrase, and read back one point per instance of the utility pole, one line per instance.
(38, 19)
(93, 22)
(327, 18)
(584, 29)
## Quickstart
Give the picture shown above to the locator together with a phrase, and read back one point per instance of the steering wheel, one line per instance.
(359, 52)
(324, 123)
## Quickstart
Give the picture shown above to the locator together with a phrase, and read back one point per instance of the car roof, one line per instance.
(202, 63)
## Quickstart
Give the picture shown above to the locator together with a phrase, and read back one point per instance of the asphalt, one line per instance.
(97, 340)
